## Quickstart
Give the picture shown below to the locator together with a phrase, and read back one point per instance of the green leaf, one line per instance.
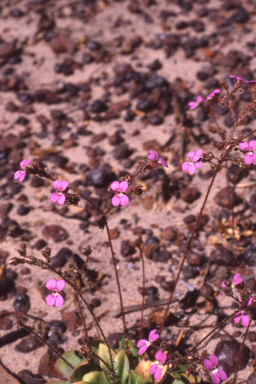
(95, 378)
(122, 366)
(175, 375)
(59, 382)
(84, 367)
(104, 354)
(95, 346)
(73, 358)
(133, 378)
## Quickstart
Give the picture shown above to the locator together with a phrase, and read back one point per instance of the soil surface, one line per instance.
(87, 88)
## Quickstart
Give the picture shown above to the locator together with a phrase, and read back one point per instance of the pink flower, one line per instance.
(153, 155)
(119, 198)
(21, 174)
(193, 164)
(236, 280)
(156, 369)
(249, 157)
(55, 298)
(144, 344)
(194, 104)
(58, 196)
(241, 79)
(243, 315)
(216, 373)
(212, 94)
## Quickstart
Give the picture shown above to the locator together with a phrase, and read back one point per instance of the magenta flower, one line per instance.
(21, 174)
(58, 196)
(243, 315)
(119, 198)
(193, 164)
(194, 104)
(55, 298)
(241, 79)
(249, 157)
(236, 280)
(153, 155)
(216, 373)
(211, 95)
(144, 344)
(156, 369)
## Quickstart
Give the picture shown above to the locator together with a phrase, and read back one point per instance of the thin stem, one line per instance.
(143, 287)
(241, 349)
(189, 243)
(118, 286)
(89, 309)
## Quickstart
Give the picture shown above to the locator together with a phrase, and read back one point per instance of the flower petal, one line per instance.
(198, 164)
(247, 159)
(54, 197)
(59, 301)
(191, 169)
(143, 349)
(60, 284)
(158, 374)
(215, 378)
(64, 185)
(158, 355)
(57, 184)
(222, 374)
(208, 364)
(163, 358)
(152, 369)
(199, 152)
(254, 159)
(51, 284)
(22, 176)
(252, 145)
(24, 163)
(123, 186)
(61, 199)
(115, 200)
(195, 158)
(115, 185)
(153, 336)
(163, 162)
(245, 320)
(213, 360)
(237, 317)
(199, 99)
(124, 200)
(185, 166)
(192, 105)
(141, 343)
(17, 174)
(237, 279)
(191, 154)
(153, 155)
(243, 146)
(50, 300)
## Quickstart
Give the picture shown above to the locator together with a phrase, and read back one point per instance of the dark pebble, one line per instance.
(36, 181)
(129, 116)
(55, 232)
(40, 244)
(155, 119)
(22, 120)
(21, 302)
(190, 272)
(23, 210)
(227, 198)
(6, 285)
(100, 177)
(252, 336)
(28, 377)
(72, 320)
(126, 248)
(114, 338)
(197, 25)
(229, 121)
(152, 290)
(181, 25)
(93, 45)
(25, 98)
(206, 290)
(167, 285)
(87, 58)
(236, 174)
(220, 110)
(202, 76)
(122, 151)
(16, 12)
(252, 203)
(28, 344)
(241, 15)
(161, 255)
(222, 256)
(115, 138)
(194, 258)
(189, 194)
(5, 321)
(168, 233)
(57, 114)
(227, 352)
(98, 106)
(58, 326)
(145, 105)
(63, 255)
(155, 65)
(95, 303)
(5, 208)
(189, 300)
(249, 255)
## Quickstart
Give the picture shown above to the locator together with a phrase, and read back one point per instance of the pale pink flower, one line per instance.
(249, 157)
(195, 104)
(144, 344)
(119, 198)
(55, 298)
(193, 164)
(156, 369)
(58, 196)
(241, 79)
(21, 174)
(216, 373)
(153, 155)
(236, 280)
(243, 315)
(211, 95)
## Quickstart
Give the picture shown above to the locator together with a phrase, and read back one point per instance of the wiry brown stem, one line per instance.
(143, 288)
(118, 287)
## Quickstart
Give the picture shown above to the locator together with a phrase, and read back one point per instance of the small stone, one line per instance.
(152, 290)
(206, 290)
(63, 255)
(189, 194)
(6, 285)
(227, 198)
(126, 248)
(181, 25)
(122, 151)
(155, 119)
(98, 106)
(21, 302)
(100, 177)
(87, 58)
(5, 208)
(114, 233)
(241, 15)
(252, 336)
(22, 121)
(115, 139)
(114, 339)
(197, 25)
(167, 285)
(161, 255)
(249, 255)
(25, 98)
(23, 210)
(72, 320)
(190, 271)
(168, 233)
(227, 353)
(5, 321)
(145, 105)
(28, 344)
(194, 258)
(189, 300)
(36, 182)
(55, 232)
(155, 65)
(40, 244)
(28, 377)
(222, 256)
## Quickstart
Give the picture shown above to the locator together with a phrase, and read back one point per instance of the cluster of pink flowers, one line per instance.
(249, 157)
(58, 196)
(236, 280)
(241, 79)
(153, 155)
(55, 298)
(194, 104)
(193, 164)
(21, 174)
(217, 373)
